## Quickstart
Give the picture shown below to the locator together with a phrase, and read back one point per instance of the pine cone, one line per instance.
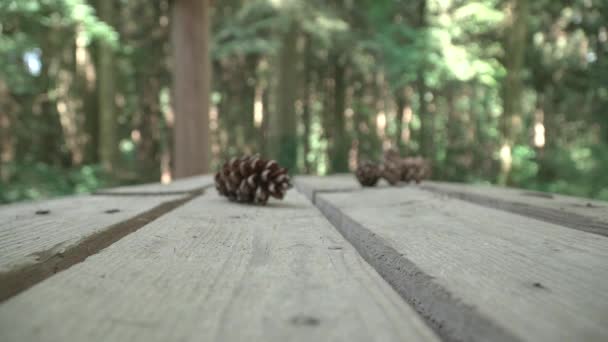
(415, 169)
(367, 173)
(391, 173)
(250, 179)
(409, 169)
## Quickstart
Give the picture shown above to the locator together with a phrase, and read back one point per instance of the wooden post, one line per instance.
(191, 83)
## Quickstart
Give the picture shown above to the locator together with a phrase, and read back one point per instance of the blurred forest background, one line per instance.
(510, 92)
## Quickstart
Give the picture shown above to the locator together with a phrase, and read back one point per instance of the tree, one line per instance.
(514, 45)
(282, 134)
(191, 84)
(108, 141)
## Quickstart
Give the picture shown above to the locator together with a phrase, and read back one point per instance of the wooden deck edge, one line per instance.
(447, 315)
(55, 260)
(562, 218)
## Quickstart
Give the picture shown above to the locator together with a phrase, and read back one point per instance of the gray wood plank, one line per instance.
(212, 270)
(578, 213)
(309, 185)
(179, 186)
(467, 267)
(38, 239)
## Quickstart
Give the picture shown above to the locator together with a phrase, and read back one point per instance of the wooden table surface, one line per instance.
(331, 262)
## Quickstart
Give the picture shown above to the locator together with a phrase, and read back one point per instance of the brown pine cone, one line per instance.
(391, 173)
(415, 169)
(250, 179)
(409, 168)
(367, 173)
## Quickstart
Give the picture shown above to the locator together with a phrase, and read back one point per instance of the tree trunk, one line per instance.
(514, 44)
(426, 121)
(191, 67)
(340, 145)
(282, 135)
(8, 108)
(453, 170)
(306, 115)
(401, 102)
(86, 90)
(107, 112)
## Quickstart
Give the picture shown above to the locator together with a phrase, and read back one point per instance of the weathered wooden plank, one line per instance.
(578, 213)
(212, 270)
(473, 270)
(180, 186)
(40, 238)
(309, 185)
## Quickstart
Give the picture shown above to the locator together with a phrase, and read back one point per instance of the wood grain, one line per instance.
(41, 238)
(536, 280)
(577, 213)
(212, 270)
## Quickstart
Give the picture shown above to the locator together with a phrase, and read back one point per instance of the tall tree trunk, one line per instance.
(191, 84)
(426, 121)
(453, 170)
(401, 101)
(248, 98)
(282, 134)
(514, 46)
(148, 148)
(8, 108)
(479, 137)
(547, 172)
(108, 143)
(426, 127)
(86, 89)
(338, 158)
(306, 115)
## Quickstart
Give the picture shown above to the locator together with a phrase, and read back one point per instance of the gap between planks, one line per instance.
(18, 280)
(563, 218)
(191, 192)
(148, 193)
(444, 313)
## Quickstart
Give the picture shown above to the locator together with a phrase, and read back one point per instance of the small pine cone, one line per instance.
(391, 173)
(409, 169)
(250, 179)
(415, 169)
(394, 165)
(367, 173)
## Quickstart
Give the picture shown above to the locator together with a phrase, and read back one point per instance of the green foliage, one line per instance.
(33, 181)
(54, 14)
(443, 60)
(250, 31)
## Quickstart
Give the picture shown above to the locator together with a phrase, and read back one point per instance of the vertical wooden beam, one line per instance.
(191, 84)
